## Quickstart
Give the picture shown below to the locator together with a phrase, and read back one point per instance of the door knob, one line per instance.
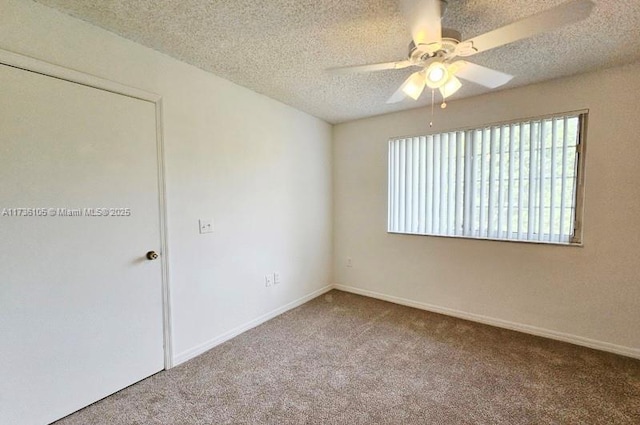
(152, 255)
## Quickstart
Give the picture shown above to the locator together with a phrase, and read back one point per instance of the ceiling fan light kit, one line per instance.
(414, 85)
(437, 75)
(434, 49)
(450, 87)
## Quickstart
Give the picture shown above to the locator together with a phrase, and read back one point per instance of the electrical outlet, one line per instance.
(276, 278)
(268, 279)
(206, 225)
(349, 262)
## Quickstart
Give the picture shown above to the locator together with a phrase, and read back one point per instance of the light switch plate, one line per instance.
(276, 278)
(206, 225)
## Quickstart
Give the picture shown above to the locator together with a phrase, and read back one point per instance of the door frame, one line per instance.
(37, 66)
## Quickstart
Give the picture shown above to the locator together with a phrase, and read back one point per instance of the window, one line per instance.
(515, 181)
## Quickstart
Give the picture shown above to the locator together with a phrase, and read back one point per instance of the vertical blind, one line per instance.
(512, 181)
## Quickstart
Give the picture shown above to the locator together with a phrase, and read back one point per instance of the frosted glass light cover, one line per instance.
(450, 87)
(414, 85)
(437, 75)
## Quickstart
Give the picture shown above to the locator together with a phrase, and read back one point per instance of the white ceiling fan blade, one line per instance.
(566, 13)
(424, 18)
(412, 87)
(479, 74)
(371, 67)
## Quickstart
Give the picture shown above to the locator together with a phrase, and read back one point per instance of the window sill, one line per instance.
(567, 244)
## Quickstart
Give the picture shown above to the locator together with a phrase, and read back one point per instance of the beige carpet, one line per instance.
(347, 359)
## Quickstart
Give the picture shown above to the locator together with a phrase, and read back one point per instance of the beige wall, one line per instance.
(589, 293)
(260, 168)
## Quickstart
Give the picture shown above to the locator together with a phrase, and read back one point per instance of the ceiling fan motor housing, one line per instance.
(450, 39)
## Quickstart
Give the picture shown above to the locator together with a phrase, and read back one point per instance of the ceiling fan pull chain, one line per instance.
(433, 100)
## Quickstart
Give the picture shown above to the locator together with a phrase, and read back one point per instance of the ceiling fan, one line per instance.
(435, 49)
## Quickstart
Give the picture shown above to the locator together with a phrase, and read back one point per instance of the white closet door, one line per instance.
(80, 305)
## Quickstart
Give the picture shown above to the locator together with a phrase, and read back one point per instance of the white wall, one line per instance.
(589, 293)
(261, 169)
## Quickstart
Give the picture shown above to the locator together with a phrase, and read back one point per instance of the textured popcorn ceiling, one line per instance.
(281, 48)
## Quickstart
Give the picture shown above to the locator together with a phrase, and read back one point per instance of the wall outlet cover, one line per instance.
(206, 225)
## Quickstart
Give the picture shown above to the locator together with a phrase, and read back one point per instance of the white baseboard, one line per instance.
(206, 346)
(533, 330)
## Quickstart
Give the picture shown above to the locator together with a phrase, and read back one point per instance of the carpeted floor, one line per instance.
(347, 359)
